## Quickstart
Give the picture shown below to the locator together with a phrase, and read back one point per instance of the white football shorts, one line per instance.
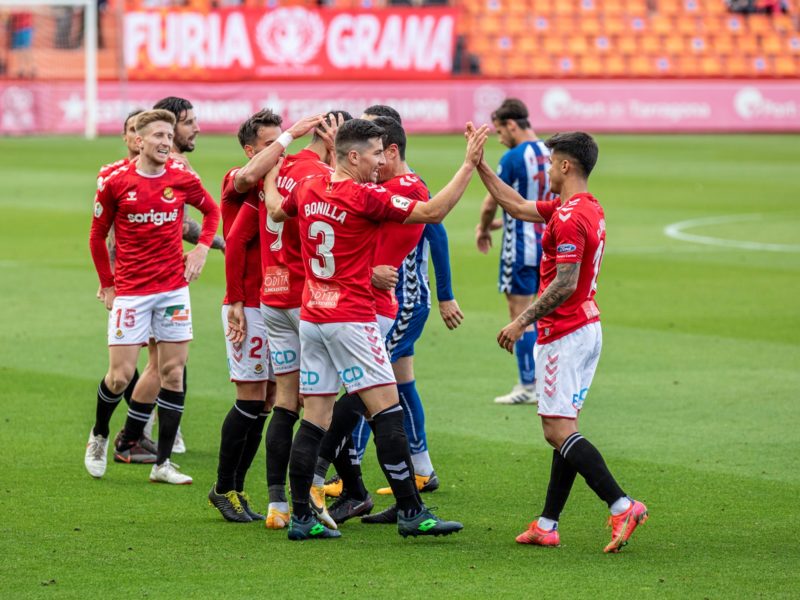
(248, 360)
(166, 316)
(385, 324)
(565, 369)
(353, 354)
(283, 330)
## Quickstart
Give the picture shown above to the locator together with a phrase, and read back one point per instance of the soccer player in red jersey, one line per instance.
(568, 348)
(248, 360)
(338, 217)
(394, 243)
(281, 293)
(144, 201)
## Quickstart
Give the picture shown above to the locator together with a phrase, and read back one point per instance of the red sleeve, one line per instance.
(289, 204)
(243, 230)
(104, 210)
(547, 208)
(229, 191)
(202, 201)
(381, 205)
(570, 240)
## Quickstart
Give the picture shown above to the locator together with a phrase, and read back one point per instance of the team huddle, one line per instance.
(327, 288)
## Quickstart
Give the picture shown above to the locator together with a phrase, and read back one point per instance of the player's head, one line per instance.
(381, 110)
(511, 120)
(186, 128)
(129, 132)
(155, 130)
(259, 131)
(572, 154)
(359, 149)
(394, 146)
(332, 116)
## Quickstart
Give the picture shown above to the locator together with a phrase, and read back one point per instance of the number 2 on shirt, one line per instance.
(323, 269)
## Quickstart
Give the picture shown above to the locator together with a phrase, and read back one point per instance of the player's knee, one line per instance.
(118, 378)
(172, 376)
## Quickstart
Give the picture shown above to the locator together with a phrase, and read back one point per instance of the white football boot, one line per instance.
(520, 394)
(96, 457)
(168, 473)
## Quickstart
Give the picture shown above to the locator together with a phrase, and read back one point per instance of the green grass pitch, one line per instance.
(694, 404)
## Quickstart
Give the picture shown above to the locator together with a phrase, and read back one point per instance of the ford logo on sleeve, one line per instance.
(566, 248)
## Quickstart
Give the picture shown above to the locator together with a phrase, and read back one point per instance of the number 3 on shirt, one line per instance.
(323, 269)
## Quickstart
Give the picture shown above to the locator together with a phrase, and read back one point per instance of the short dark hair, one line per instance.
(577, 145)
(356, 132)
(393, 133)
(332, 113)
(381, 110)
(177, 106)
(131, 114)
(512, 109)
(248, 131)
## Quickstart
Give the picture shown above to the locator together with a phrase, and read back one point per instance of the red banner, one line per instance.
(289, 43)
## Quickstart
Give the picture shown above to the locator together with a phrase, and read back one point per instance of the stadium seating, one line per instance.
(631, 38)
(545, 38)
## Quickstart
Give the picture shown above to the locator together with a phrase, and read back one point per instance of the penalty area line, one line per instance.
(677, 231)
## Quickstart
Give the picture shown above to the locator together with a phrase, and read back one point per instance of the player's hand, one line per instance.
(451, 313)
(385, 277)
(180, 158)
(475, 143)
(509, 335)
(496, 224)
(483, 240)
(327, 131)
(100, 295)
(305, 125)
(237, 324)
(106, 296)
(194, 261)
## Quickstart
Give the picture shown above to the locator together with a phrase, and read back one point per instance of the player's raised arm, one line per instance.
(273, 199)
(262, 162)
(507, 197)
(437, 208)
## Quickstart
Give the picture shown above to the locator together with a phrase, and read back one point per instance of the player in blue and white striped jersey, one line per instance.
(524, 168)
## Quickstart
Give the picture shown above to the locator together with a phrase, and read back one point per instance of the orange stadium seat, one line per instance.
(651, 44)
(640, 66)
(793, 44)
(698, 45)
(491, 24)
(590, 24)
(577, 45)
(612, 8)
(636, 7)
(759, 24)
(688, 66)
(687, 25)
(527, 44)
(565, 8)
(517, 25)
(711, 66)
(600, 44)
(554, 45)
(565, 65)
(747, 44)
(734, 24)
(722, 44)
(783, 23)
(518, 66)
(590, 66)
(616, 66)
(615, 25)
(492, 66)
(675, 44)
(786, 66)
(662, 25)
(738, 66)
(771, 44)
(628, 44)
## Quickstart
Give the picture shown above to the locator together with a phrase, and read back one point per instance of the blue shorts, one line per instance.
(522, 281)
(406, 331)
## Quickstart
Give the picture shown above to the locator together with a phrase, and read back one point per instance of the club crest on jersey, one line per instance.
(98, 209)
(119, 335)
(401, 202)
(168, 195)
(259, 368)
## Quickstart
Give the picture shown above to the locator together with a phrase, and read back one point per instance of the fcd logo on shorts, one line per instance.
(290, 36)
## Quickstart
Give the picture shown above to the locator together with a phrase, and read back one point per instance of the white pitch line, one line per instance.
(676, 231)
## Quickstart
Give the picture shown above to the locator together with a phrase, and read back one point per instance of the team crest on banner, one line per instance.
(290, 35)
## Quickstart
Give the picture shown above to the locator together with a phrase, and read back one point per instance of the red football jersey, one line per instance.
(243, 283)
(108, 169)
(575, 232)
(339, 224)
(396, 240)
(284, 276)
(147, 214)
